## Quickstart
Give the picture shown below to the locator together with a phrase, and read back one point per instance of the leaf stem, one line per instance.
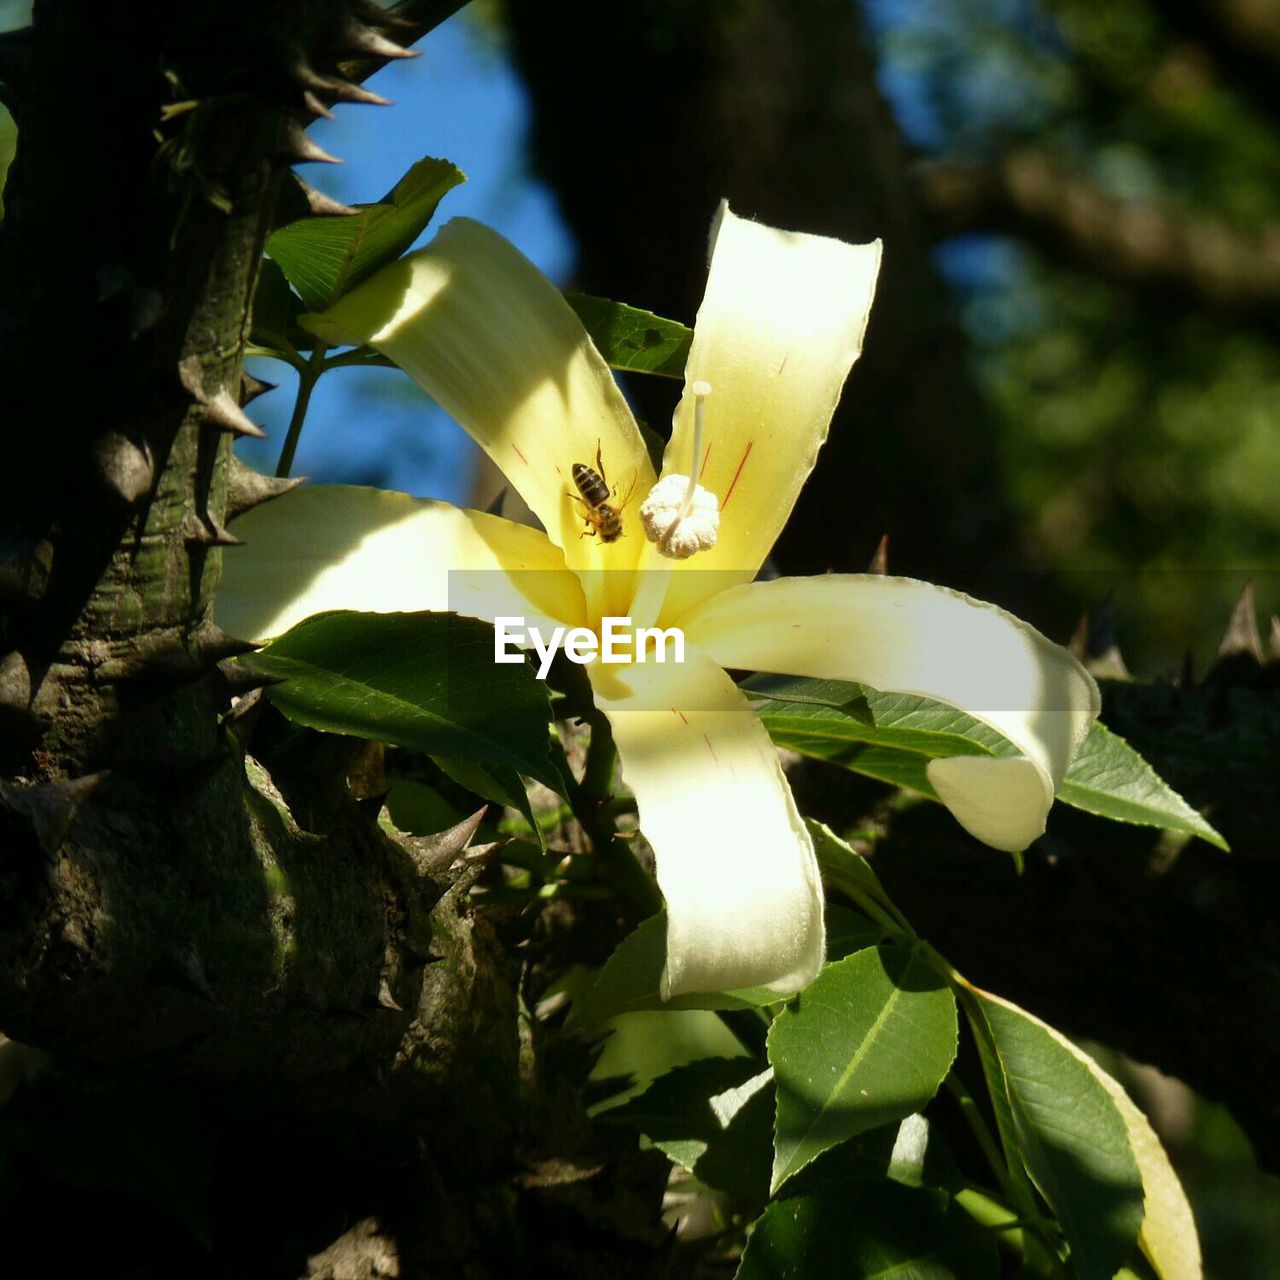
(308, 376)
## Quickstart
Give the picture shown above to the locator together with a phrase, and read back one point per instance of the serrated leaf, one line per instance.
(713, 1117)
(868, 1042)
(426, 681)
(1066, 1129)
(323, 258)
(1110, 779)
(500, 783)
(1168, 1236)
(629, 338)
(892, 738)
(867, 1231)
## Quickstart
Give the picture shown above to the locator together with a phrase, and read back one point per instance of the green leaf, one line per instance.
(841, 694)
(1068, 1132)
(846, 870)
(713, 1117)
(868, 1042)
(892, 738)
(629, 338)
(426, 681)
(418, 809)
(276, 309)
(867, 1231)
(849, 931)
(499, 783)
(631, 978)
(1109, 778)
(323, 258)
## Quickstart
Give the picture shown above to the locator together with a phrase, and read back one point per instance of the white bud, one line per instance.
(681, 525)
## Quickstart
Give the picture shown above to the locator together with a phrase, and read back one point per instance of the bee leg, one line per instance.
(599, 464)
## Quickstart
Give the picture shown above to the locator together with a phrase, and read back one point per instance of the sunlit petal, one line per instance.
(735, 863)
(341, 547)
(903, 636)
(780, 325)
(493, 342)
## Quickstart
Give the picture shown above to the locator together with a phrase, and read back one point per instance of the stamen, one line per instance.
(701, 390)
(679, 515)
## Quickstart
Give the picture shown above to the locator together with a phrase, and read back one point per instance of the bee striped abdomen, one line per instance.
(601, 518)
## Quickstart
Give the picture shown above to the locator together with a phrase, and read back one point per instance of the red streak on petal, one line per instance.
(680, 714)
(706, 457)
(783, 365)
(750, 445)
(521, 456)
(710, 748)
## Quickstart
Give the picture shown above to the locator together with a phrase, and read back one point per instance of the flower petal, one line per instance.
(903, 636)
(780, 325)
(341, 547)
(735, 863)
(493, 342)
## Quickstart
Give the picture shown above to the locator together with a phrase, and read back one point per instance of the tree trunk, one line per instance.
(207, 943)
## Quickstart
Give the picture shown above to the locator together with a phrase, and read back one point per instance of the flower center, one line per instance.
(679, 515)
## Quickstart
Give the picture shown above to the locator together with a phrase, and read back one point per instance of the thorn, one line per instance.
(433, 854)
(238, 680)
(1102, 648)
(125, 467)
(207, 532)
(247, 488)
(323, 206)
(297, 148)
(225, 414)
(349, 91)
(880, 561)
(251, 388)
(314, 106)
(336, 88)
(365, 42)
(211, 645)
(1241, 636)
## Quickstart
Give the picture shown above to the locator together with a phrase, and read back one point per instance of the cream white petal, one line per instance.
(735, 863)
(493, 342)
(781, 322)
(903, 636)
(341, 547)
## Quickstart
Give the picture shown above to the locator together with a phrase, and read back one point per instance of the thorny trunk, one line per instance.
(177, 921)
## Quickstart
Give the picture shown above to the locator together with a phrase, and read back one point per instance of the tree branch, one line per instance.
(1028, 191)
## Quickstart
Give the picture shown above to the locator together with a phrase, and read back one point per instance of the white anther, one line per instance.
(680, 515)
(682, 522)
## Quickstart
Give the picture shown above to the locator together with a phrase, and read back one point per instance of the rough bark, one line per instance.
(174, 914)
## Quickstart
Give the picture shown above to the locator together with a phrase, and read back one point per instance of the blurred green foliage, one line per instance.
(1139, 408)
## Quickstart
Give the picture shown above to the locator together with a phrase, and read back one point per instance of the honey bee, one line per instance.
(600, 514)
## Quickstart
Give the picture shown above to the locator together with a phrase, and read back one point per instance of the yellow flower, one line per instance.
(494, 343)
